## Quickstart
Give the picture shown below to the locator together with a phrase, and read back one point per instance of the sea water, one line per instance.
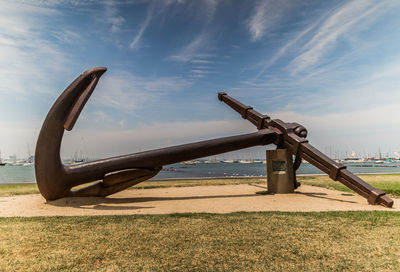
(11, 173)
(15, 174)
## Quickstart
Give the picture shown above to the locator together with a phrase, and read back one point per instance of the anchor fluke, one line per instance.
(87, 84)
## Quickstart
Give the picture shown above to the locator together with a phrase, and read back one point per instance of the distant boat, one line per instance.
(228, 161)
(211, 161)
(1, 163)
(18, 163)
(245, 161)
(189, 162)
(78, 161)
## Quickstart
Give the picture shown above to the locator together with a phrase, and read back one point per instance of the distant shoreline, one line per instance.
(210, 178)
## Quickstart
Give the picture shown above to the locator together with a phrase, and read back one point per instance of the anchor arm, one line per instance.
(63, 114)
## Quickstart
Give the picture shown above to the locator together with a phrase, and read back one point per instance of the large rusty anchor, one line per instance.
(112, 175)
(108, 176)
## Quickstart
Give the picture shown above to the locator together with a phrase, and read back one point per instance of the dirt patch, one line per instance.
(209, 199)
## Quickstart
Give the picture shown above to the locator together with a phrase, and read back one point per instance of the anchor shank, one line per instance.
(95, 170)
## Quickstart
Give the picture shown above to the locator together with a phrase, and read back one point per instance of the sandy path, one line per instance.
(211, 199)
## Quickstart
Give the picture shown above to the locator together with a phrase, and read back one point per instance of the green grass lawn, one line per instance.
(389, 183)
(23, 189)
(269, 241)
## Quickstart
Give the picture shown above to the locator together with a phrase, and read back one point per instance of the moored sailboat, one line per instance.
(1, 162)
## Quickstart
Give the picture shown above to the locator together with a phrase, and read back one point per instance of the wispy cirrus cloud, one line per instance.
(210, 9)
(202, 61)
(198, 49)
(345, 21)
(26, 55)
(311, 58)
(282, 51)
(126, 91)
(68, 36)
(197, 54)
(352, 129)
(201, 71)
(150, 13)
(321, 51)
(112, 16)
(31, 66)
(193, 50)
(266, 15)
(332, 74)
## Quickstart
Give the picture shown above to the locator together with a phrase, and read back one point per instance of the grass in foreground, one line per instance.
(23, 189)
(389, 183)
(272, 241)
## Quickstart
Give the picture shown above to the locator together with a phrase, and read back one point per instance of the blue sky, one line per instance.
(332, 66)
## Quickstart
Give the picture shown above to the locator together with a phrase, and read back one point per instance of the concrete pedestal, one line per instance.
(280, 172)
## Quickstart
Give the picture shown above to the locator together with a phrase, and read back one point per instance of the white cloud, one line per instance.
(112, 17)
(211, 7)
(358, 128)
(202, 71)
(200, 61)
(193, 50)
(197, 75)
(122, 123)
(68, 36)
(388, 71)
(266, 15)
(317, 81)
(26, 57)
(283, 50)
(135, 42)
(15, 140)
(364, 129)
(124, 90)
(344, 22)
(197, 50)
(373, 119)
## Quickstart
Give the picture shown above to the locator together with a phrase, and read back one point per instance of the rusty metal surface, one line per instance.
(56, 180)
(293, 137)
(112, 175)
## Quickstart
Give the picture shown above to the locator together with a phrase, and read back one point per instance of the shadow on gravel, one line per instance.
(109, 203)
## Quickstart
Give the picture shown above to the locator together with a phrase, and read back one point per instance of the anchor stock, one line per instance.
(293, 137)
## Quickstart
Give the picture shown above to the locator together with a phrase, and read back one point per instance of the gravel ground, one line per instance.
(208, 199)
